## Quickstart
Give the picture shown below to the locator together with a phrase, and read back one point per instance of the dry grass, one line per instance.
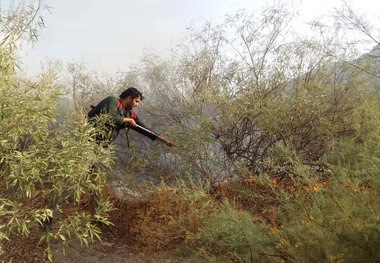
(24, 249)
(165, 219)
(161, 222)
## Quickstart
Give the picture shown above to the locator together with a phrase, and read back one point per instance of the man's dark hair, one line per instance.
(134, 93)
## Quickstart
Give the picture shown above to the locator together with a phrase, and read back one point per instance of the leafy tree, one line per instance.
(45, 166)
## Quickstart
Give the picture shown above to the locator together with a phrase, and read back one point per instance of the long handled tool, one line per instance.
(158, 137)
(146, 130)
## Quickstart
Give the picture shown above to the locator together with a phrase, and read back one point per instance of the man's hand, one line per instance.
(130, 122)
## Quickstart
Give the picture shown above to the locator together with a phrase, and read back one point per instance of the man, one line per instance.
(121, 116)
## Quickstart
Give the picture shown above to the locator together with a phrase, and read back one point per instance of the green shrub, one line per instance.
(232, 235)
(46, 167)
(339, 222)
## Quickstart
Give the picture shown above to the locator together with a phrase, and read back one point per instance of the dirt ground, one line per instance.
(113, 251)
(107, 251)
(114, 247)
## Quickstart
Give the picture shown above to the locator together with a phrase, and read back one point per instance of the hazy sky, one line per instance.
(112, 34)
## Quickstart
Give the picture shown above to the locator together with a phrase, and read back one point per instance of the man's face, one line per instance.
(131, 103)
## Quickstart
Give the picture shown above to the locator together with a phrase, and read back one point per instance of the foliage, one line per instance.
(295, 117)
(44, 165)
(236, 90)
(230, 235)
(330, 228)
(340, 222)
(84, 87)
(21, 23)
